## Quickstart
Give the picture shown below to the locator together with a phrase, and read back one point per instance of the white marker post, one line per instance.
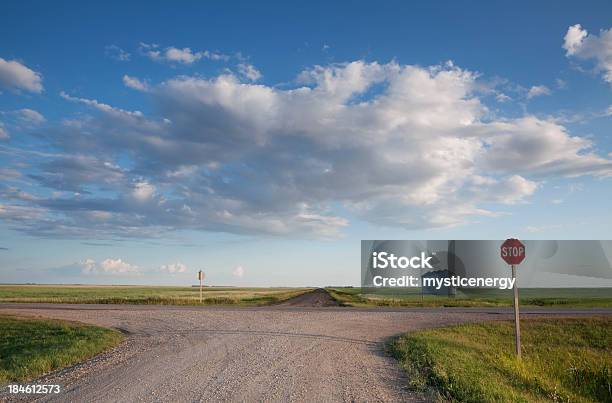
(513, 253)
(201, 278)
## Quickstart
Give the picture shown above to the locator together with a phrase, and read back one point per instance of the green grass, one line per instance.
(565, 360)
(145, 295)
(562, 297)
(32, 347)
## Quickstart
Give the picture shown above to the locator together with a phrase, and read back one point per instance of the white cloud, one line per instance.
(238, 272)
(511, 190)
(501, 97)
(249, 72)
(19, 120)
(536, 147)
(4, 135)
(31, 116)
(184, 55)
(89, 266)
(173, 268)
(395, 145)
(538, 90)
(121, 115)
(143, 191)
(117, 266)
(561, 84)
(135, 83)
(108, 267)
(178, 55)
(580, 44)
(116, 53)
(17, 76)
(573, 39)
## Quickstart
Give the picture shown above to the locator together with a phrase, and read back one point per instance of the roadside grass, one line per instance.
(563, 298)
(564, 360)
(76, 294)
(30, 347)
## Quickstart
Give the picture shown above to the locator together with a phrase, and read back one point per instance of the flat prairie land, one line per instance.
(564, 360)
(32, 347)
(547, 297)
(102, 294)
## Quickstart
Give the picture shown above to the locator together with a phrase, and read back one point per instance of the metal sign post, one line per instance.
(201, 278)
(513, 253)
(517, 324)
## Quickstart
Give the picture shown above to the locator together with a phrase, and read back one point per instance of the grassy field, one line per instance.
(145, 295)
(564, 360)
(560, 297)
(32, 347)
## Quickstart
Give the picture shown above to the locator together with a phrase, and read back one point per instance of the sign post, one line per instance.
(201, 278)
(513, 253)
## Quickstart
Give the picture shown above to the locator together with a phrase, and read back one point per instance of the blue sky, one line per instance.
(140, 143)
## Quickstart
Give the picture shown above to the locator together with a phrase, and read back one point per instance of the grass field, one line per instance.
(145, 295)
(559, 297)
(564, 360)
(32, 347)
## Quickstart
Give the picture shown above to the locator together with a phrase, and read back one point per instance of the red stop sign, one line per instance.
(513, 251)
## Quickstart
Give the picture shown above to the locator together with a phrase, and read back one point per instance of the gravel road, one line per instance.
(276, 353)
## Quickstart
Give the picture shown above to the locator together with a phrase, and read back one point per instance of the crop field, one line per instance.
(85, 294)
(551, 297)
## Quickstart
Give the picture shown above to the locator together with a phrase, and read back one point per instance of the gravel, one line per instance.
(276, 353)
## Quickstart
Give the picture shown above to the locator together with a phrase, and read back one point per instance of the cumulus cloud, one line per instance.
(238, 272)
(510, 190)
(249, 72)
(15, 75)
(539, 148)
(135, 83)
(173, 268)
(178, 55)
(143, 191)
(31, 116)
(578, 43)
(392, 144)
(538, 90)
(108, 267)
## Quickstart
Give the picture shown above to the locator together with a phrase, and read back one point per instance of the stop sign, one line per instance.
(513, 251)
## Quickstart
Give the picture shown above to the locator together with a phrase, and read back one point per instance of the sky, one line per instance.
(260, 142)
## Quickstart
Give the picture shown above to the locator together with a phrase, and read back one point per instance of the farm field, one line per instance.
(85, 294)
(557, 297)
